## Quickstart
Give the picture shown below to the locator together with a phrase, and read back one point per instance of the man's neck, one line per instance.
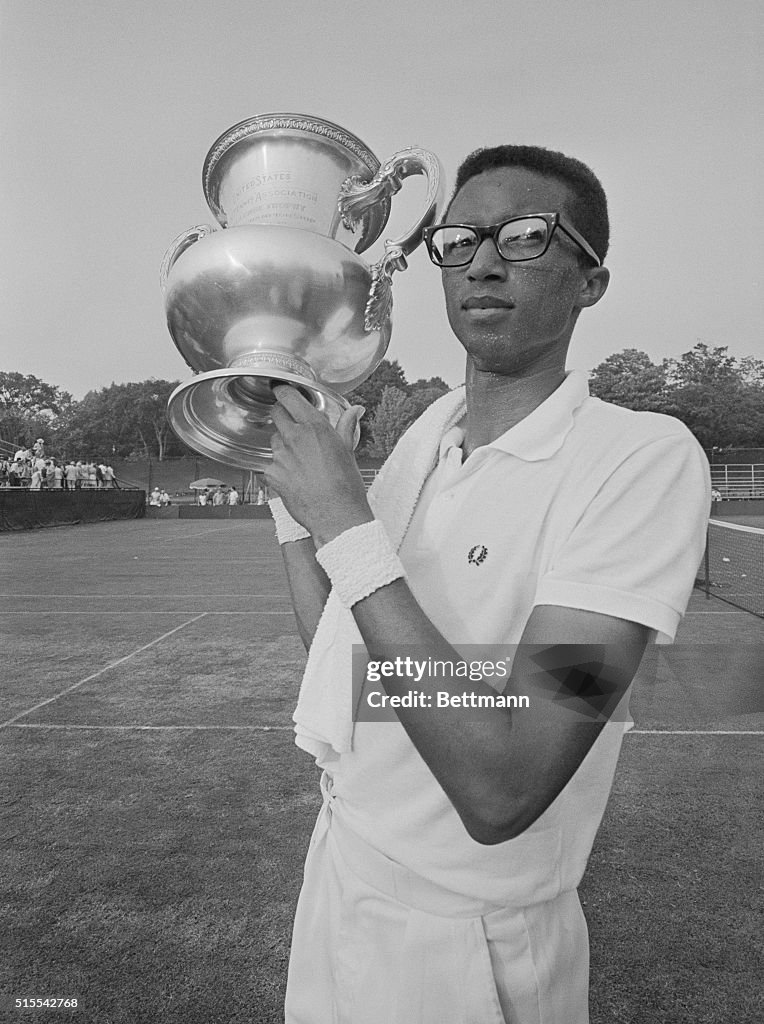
(497, 402)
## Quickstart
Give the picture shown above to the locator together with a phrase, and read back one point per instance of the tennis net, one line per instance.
(733, 566)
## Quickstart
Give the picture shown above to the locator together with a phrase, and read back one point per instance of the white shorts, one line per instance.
(375, 944)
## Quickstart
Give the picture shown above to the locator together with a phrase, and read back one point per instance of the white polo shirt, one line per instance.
(581, 504)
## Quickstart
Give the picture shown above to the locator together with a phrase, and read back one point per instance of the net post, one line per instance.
(738, 565)
(706, 565)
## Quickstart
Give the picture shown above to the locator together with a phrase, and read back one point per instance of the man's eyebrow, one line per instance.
(511, 215)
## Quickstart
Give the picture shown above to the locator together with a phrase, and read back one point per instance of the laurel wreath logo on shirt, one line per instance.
(478, 554)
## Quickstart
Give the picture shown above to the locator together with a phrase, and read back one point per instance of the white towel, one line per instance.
(324, 714)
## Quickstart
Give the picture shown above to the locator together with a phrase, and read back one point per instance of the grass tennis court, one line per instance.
(155, 812)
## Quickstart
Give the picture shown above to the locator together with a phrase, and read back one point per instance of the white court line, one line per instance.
(180, 536)
(206, 533)
(156, 728)
(740, 611)
(137, 597)
(200, 560)
(100, 672)
(695, 732)
(289, 728)
(258, 612)
(271, 595)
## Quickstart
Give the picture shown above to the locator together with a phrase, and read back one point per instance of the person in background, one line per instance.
(218, 497)
(262, 489)
(155, 497)
(233, 496)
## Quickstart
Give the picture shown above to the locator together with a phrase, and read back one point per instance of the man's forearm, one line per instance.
(308, 586)
(461, 751)
(502, 770)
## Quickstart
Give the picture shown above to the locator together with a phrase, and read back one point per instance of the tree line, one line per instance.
(130, 420)
(720, 398)
(122, 420)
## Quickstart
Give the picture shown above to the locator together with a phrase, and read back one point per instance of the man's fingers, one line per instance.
(296, 404)
(280, 417)
(293, 408)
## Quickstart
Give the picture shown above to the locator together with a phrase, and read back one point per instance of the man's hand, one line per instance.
(313, 469)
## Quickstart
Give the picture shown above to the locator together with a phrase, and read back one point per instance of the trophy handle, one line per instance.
(178, 246)
(357, 197)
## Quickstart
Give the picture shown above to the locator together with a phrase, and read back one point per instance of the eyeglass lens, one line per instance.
(518, 240)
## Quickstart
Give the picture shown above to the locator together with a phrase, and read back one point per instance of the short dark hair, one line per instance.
(588, 207)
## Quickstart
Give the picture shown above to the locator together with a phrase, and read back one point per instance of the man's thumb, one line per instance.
(347, 425)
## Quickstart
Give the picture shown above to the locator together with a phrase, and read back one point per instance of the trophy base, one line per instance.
(226, 414)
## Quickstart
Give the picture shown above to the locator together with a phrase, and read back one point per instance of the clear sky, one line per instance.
(108, 108)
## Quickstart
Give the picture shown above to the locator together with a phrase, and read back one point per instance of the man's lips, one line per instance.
(487, 302)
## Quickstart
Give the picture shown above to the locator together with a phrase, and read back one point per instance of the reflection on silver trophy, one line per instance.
(281, 295)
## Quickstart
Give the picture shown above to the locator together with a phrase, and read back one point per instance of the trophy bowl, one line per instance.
(279, 294)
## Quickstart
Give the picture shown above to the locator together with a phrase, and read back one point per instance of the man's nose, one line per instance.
(487, 262)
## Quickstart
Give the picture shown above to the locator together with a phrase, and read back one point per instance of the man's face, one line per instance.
(513, 317)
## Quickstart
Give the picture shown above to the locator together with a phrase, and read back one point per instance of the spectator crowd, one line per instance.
(30, 468)
(218, 496)
(159, 498)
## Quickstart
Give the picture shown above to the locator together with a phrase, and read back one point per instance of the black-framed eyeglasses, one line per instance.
(517, 239)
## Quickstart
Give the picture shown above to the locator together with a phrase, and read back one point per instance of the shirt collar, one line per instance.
(542, 433)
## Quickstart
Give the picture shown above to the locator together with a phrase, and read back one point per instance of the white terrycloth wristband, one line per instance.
(360, 561)
(287, 528)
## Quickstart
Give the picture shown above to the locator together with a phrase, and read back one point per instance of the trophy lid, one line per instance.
(270, 150)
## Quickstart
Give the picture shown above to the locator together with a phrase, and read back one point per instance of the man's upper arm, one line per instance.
(635, 550)
(575, 668)
(623, 574)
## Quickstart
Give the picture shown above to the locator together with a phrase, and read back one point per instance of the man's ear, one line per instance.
(593, 286)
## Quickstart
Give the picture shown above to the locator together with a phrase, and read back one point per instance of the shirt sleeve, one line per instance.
(635, 551)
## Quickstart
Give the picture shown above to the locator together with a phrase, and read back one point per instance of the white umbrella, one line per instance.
(207, 481)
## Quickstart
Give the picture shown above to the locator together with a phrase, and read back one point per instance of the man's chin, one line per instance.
(486, 365)
(485, 349)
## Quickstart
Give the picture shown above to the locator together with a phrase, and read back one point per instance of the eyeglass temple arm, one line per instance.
(579, 239)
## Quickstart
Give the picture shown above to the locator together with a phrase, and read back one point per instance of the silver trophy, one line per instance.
(281, 294)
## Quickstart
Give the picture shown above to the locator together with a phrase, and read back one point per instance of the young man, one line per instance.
(520, 513)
